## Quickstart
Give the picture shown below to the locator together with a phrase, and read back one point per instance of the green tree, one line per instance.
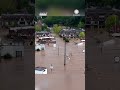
(57, 29)
(65, 21)
(111, 21)
(37, 28)
(82, 35)
(44, 27)
(81, 25)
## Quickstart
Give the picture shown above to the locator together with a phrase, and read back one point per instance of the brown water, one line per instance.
(70, 77)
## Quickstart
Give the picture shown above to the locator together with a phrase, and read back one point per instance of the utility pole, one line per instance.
(65, 54)
(66, 40)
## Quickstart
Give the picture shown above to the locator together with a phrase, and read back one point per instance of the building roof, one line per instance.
(27, 17)
(19, 28)
(69, 32)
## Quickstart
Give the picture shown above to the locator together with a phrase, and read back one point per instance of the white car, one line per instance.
(40, 70)
(82, 40)
(79, 44)
(39, 47)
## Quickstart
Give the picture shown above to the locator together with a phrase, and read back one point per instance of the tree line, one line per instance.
(64, 21)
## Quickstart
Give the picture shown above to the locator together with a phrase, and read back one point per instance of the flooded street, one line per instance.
(17, 73)
(68, 77)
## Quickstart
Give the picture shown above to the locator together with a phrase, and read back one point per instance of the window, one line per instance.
(18, 53)
(22, 22)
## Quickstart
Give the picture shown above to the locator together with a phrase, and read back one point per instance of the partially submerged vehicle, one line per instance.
(39, 47)
(40, 70)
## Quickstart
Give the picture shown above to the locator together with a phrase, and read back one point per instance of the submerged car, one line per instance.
(39, 47)
(40, 70)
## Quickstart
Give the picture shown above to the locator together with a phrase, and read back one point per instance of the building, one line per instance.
(48, 40)
(15, 50)
(95, 17)
(72, 33)
(43, 34)
(26, 32)
(17, 20)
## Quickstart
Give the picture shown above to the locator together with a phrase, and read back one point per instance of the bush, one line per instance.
(82, 35)
(7, 56)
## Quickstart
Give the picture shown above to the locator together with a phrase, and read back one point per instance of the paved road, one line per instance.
(70, 77)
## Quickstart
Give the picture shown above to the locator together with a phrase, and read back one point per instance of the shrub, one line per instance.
(82, 35)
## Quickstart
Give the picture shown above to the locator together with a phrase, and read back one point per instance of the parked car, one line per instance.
(40, 70)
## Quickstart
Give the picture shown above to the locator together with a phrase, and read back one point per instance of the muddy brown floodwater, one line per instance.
(69, 77)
